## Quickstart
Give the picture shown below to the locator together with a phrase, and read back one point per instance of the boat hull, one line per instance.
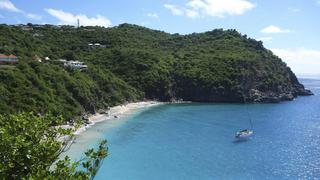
(243, 135)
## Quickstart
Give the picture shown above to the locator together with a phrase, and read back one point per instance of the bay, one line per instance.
(196, 141)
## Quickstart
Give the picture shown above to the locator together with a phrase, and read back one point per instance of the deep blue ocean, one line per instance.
(196, 141)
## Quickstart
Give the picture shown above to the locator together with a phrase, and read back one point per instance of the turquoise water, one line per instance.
(196, 141)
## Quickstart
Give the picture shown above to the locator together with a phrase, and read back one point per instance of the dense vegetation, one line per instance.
(29, 147)
(137, 63)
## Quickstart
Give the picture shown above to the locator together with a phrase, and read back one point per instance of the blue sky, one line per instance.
(290, 28)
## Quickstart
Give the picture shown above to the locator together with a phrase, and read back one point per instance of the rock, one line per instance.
(85, 117)
(305, 92)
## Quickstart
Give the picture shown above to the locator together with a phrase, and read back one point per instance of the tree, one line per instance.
(29, 147)
(69, 55)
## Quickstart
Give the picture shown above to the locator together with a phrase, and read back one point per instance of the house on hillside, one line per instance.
(26, 28)
(75, 65)
(96, 45)
(87, 29)
(36, 58)
(8, 59)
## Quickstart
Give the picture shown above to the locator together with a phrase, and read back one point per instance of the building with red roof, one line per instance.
(8, 58)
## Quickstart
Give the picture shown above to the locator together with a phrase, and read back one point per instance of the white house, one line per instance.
(75, 65)
(96, 45)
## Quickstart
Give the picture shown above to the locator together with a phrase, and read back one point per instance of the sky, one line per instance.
(290, 28)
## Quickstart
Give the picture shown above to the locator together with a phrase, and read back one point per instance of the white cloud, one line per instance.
(265, 39)
(174, 9)
(220, 8)
(71, 19)
(301, 60)
(212, 8)
(145, 23)
(178, 11)
(33, 16)
(191, 13)
(9, 6)
(295, 10)
(153, 15)
(274, 29)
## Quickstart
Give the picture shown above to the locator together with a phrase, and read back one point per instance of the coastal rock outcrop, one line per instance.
(271, 97)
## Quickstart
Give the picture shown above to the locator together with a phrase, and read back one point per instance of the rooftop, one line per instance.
(8, 56)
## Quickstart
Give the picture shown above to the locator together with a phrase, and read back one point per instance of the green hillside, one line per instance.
(136, 63)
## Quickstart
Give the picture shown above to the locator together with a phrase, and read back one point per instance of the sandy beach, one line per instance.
(115, 112)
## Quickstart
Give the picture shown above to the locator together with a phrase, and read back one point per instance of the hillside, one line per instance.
(136, 63)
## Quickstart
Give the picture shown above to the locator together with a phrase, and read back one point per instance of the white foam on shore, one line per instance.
(112, 113)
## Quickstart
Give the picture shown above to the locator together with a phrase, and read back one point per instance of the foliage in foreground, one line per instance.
(29, 147)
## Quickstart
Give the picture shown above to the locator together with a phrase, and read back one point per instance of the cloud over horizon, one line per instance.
(153, 15)
(33, 16)
(174, 9)
(67, 18)
(301, 60)
(265, 39)
(211, 8)
(272, 29)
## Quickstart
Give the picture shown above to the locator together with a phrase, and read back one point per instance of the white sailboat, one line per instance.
(245, 133)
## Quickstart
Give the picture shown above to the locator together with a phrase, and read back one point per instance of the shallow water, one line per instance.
(196, 141)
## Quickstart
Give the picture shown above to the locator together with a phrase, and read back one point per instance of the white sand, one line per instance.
(113, 113)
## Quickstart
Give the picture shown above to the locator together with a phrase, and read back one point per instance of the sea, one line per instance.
(197, 141)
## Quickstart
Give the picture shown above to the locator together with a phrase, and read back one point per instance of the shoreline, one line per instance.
(115, 112)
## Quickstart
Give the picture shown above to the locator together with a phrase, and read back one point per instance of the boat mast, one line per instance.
(244, 78)
(250, 119)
